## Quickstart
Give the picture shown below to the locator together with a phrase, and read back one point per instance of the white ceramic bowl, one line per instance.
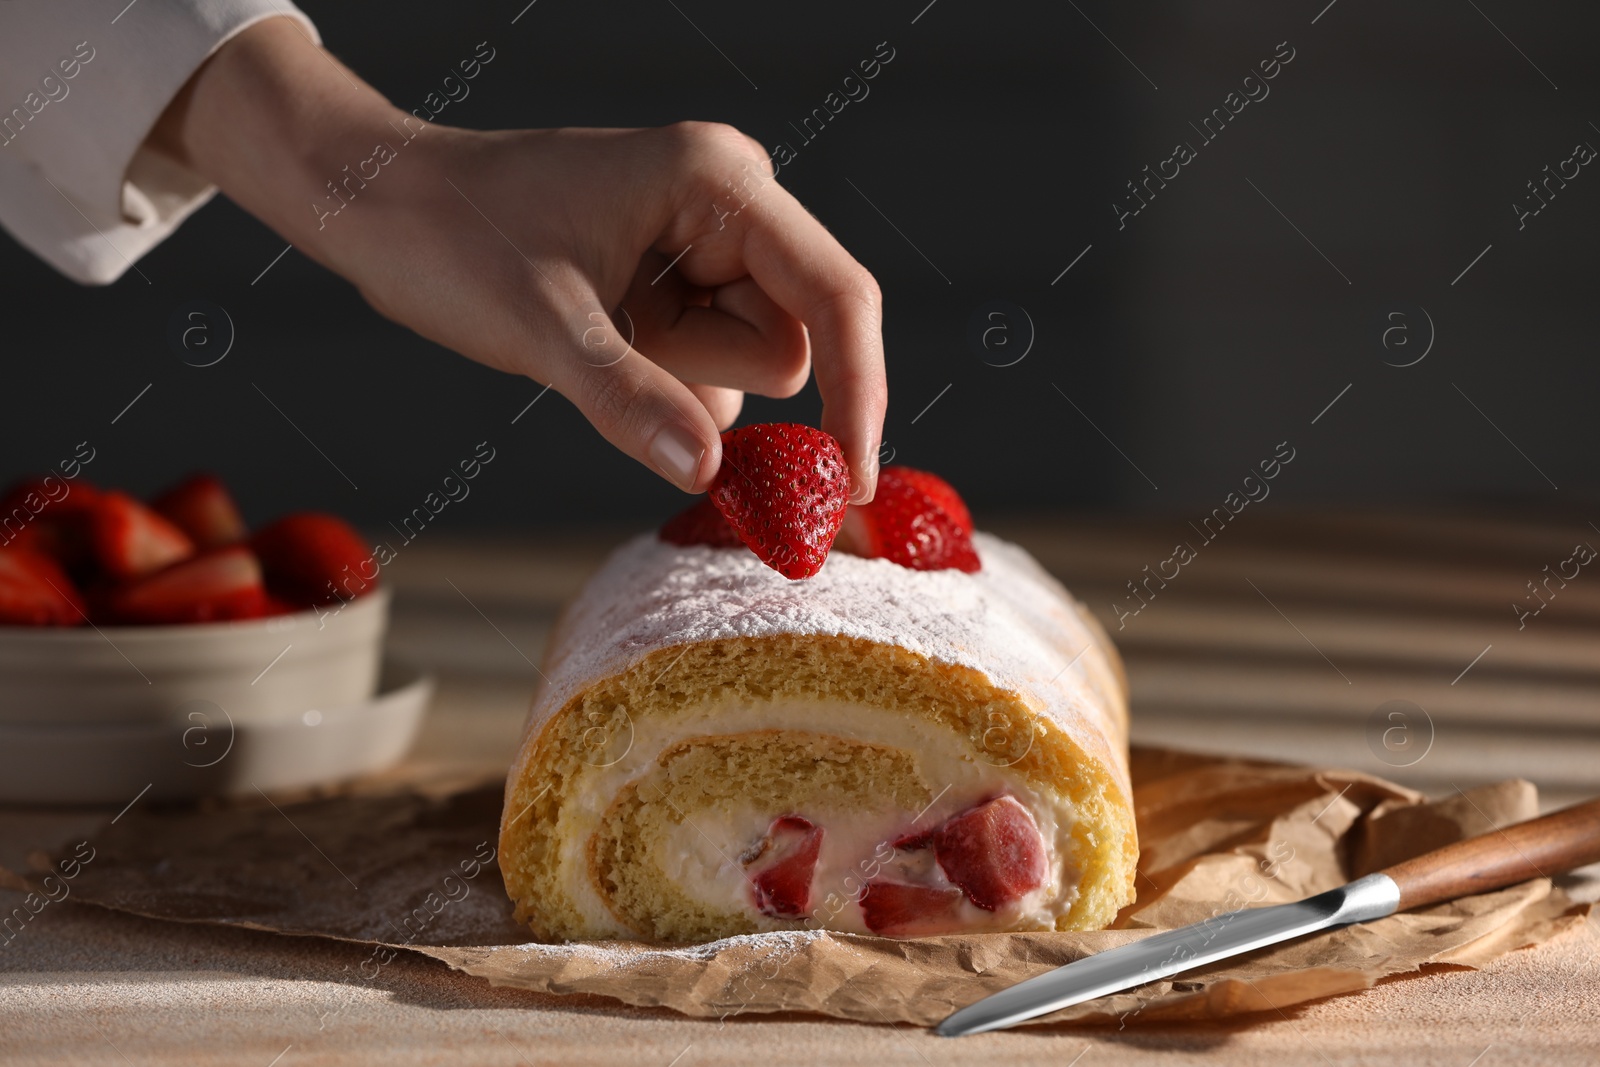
(91, 716)
(136, 676)
(212, 754)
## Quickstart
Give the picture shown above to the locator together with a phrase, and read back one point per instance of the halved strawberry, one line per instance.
(34, 591)
(48, 494)
(273, 606)
(783, 866)
(50, 516)
(896, 910)
(908, 523)
(994, 852)
(201, 507)
(783, 488)
(938, 491)
(311, 558)
(131, 541)
(222, 584)
(700, 524)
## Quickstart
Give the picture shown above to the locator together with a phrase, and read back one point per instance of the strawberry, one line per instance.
(700, 524)
(940, 493)
(783, 488)
(907, 523)
(274, 606)
(787, 858)
(49, 494)
(994, 852)
(913, 841)
(131, 541)
(896, 910)
(311, 558)
(35, 592)
(50, 516)
(201, 507)
(222, 584)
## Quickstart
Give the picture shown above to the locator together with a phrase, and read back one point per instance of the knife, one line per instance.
(1537, 848)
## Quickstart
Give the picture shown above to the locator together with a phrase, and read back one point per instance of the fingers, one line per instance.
(640, 407)
(808, 274)
(743, 340)
(723, 405)
(750, 226)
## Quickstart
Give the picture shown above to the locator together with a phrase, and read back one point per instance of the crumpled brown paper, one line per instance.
(413, 870)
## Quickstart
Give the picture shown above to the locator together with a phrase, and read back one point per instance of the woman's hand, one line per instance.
(652, 276)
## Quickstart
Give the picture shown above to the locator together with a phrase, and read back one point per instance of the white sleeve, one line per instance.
(81, 84)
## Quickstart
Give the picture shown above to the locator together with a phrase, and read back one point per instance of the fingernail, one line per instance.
(677, 456)
(861, 479)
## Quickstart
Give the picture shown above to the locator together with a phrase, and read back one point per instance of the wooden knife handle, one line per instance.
(1548, 845)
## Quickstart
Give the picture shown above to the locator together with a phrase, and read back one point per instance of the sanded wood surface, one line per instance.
(1287, 636)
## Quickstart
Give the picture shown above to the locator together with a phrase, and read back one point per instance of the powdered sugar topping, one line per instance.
(1009, 621)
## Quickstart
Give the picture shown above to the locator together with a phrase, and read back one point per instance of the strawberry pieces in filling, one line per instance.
(781, 869)
(992, 854)
(896, 910)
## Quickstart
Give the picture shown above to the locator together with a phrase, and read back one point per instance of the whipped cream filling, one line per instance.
(702, 854)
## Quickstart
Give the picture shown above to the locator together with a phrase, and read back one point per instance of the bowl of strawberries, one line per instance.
(147, 641)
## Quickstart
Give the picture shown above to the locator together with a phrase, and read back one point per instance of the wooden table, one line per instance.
(1284, 636)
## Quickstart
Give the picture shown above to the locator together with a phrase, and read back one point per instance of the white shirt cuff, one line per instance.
(81, 86)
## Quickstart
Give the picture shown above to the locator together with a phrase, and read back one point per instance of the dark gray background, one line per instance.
(1195, 339)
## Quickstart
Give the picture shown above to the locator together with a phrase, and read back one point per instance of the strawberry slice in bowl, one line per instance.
(218, 585)
(312, 559)
(51, 516)
(34, 591)
(143, 652)
(49, 497)
(202, 507)
(130, 540)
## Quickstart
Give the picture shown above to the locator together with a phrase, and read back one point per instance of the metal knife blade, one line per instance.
(1175, 951)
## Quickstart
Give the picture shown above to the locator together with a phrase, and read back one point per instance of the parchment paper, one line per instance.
(413, 869)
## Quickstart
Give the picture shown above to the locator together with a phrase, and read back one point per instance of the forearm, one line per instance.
(595, 261)
(272, 119)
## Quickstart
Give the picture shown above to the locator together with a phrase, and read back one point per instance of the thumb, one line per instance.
(636, 405)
